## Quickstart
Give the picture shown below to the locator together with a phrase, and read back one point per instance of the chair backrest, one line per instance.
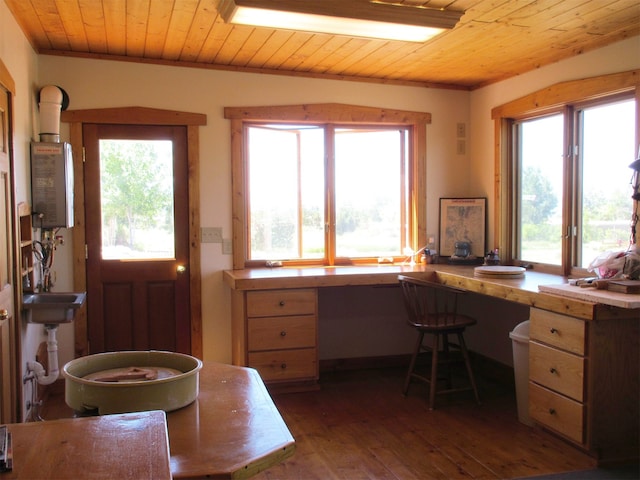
(430, 304)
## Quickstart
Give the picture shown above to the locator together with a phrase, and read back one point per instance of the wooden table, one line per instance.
(124, 446)
(232, 430)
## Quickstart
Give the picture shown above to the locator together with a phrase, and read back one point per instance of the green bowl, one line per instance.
(168, 394)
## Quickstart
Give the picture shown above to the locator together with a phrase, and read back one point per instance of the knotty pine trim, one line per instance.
(328, 112)
(573, 91)
(78, 233)
(133, 116)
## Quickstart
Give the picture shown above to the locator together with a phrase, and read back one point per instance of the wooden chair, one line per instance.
(432, 308)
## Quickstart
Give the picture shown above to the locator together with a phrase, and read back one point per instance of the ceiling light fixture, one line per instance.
(361, 18)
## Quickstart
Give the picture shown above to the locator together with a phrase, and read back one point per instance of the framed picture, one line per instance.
(463, 221)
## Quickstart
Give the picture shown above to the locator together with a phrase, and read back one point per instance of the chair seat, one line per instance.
(461, 322)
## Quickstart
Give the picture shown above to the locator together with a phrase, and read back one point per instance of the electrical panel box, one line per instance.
(52, 184)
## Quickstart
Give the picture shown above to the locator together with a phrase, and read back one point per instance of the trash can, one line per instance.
(520, 340)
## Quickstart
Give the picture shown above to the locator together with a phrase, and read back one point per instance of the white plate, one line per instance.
(504, 271)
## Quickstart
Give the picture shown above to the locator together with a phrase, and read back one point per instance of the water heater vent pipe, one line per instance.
(52, 100)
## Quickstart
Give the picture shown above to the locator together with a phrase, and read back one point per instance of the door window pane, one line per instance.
(136, 191)
(540, 192)
(608, 133)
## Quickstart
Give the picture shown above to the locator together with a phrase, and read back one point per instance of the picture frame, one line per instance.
(463, 220)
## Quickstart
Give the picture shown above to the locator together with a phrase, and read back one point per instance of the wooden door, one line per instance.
(137, 297)
(7, 327)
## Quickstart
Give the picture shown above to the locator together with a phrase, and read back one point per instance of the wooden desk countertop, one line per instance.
(123, 446)
(306, 277)
(524, 290)
(232, 430)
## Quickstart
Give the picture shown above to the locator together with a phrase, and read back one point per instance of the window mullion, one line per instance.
(405, 214)
(577, 152)
(569, 198)
(330, 190)
(299, 200)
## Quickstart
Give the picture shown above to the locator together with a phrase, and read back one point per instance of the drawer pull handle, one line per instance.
(281, 303)
(283, 366)
(553, 330)
(552, 411)
(283, 333)
(553, 370)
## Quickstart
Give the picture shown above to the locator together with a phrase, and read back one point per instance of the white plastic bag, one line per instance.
(608, 264)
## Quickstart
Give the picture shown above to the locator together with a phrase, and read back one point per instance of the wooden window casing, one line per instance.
(328, 113)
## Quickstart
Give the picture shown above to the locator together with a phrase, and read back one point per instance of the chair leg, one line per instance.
(412, 364)
(467, 361)
(447, 357)
(434, 372)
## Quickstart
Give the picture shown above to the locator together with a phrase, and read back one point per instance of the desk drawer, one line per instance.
(272, 303)
(278, 333)
(284, 365)
(557, 370)
(561, 331)
(557, 412)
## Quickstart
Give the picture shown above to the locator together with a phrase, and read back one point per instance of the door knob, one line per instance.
(181, 269)
(4, 314)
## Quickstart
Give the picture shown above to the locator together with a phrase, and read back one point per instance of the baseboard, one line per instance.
(485, 366)
(363, 363)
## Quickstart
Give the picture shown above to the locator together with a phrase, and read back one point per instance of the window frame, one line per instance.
(338, 114)
(566, 98)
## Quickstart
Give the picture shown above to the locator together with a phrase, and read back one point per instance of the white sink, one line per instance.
(52, 307)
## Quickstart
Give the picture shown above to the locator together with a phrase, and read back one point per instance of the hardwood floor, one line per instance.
(360, 426)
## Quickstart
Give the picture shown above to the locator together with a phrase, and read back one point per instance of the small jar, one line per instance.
(492, 258)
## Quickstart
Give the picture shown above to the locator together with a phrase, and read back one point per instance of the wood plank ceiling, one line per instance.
(494, 40)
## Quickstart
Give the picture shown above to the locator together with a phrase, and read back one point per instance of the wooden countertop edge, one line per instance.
(263, 463)
(237, 281)
(244, 470)
(546, 301)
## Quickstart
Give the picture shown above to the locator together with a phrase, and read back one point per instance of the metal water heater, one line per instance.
(52, 184)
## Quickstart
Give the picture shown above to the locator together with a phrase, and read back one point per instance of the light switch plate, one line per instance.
(211, 234)
(227, 248)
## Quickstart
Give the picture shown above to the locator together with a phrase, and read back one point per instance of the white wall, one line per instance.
(99, 84)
